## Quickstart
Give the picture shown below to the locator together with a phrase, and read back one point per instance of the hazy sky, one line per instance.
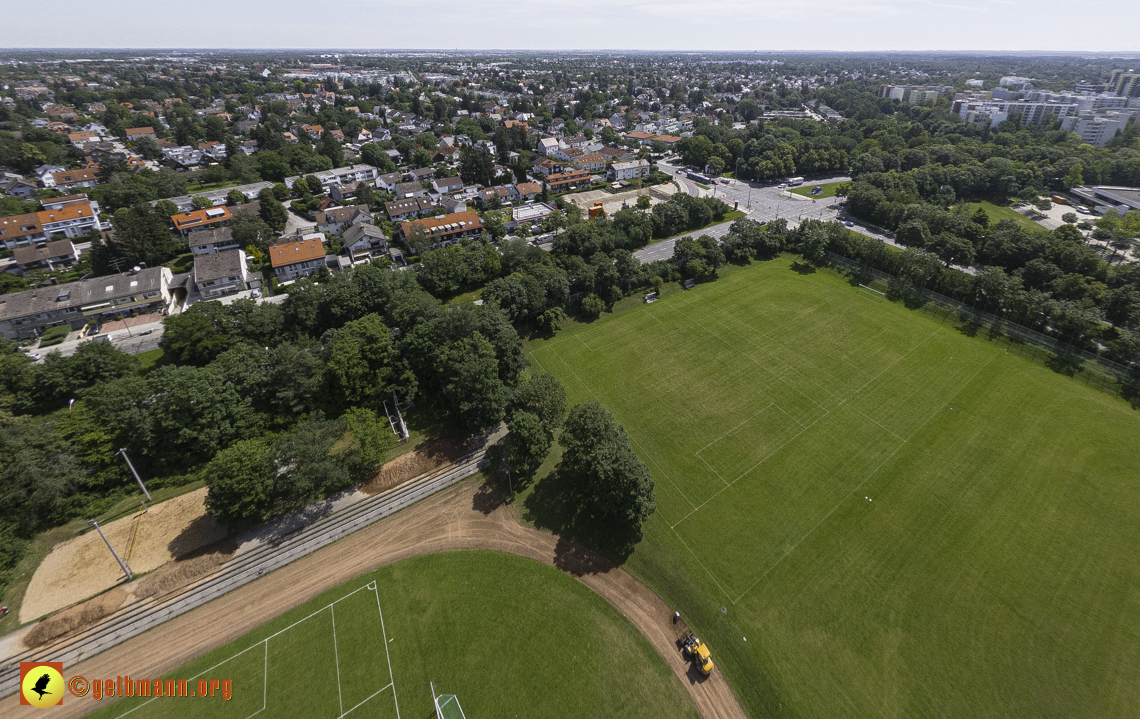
(1091, 25)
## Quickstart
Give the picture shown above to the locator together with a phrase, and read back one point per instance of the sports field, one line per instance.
(867, 512)
(504, 634)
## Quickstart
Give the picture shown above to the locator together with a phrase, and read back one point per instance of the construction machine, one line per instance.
(697, 652)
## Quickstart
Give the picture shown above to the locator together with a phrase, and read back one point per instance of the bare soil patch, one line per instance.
(77, 617)
(82, 567)
(428, 458)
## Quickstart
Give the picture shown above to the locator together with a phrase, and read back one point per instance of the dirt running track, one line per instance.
(465, 516)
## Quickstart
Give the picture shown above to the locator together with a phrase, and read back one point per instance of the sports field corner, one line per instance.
(867, 511)
(461, 623)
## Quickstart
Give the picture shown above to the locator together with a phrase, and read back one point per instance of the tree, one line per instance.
(361, 362)
(476, 166)
(612, 482)
(545, 398)
(372, 437)
(240, 482)
(1074, 176)
(1070, 217)
(142, 234)
(235, 197)
(251, 231)
(417, 237)
(272, 211)
(201, 203)
(643, 202)
(592, 305)
(365, 194)
(528, 442)
(952, 248)
(331, 148)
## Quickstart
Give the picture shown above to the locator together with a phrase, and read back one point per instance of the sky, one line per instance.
(838, 25)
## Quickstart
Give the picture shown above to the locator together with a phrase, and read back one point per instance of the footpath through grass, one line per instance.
(509, 636)
(866, 512)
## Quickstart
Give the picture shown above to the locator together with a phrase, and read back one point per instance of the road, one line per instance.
(132, 341)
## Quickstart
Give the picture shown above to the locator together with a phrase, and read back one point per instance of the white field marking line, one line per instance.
(750, 469)
(876, 423)
(861, 483)
(264, 641)
(636, 331)
(336, 659)
(726, 484)
(380, 691)
(591, 391)
(726, 594)
(387, 654)
(891, 366)
(540, 366)
(662, 470)
(765, 409)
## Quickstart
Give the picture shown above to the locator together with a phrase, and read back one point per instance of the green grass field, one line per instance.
(997, 212)
(866, 512)
(827, 191)
(505, 634)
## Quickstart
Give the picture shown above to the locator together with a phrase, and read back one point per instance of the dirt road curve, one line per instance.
(465, 516)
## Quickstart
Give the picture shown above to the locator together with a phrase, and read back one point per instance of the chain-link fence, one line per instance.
(1062, 357)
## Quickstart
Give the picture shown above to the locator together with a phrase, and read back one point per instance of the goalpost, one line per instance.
(446, 705)
(865, 290)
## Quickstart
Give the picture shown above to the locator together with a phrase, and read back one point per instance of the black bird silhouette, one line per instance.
(41, 685)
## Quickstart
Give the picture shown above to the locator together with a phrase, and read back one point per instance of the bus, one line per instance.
(698, 177)
(793, 181)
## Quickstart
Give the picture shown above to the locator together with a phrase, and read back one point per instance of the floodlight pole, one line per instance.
(122, 565)
(136, 474)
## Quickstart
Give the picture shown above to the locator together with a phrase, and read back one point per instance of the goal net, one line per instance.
(447, 706)
(872, 293)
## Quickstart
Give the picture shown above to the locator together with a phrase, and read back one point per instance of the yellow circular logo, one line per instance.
(43, 687)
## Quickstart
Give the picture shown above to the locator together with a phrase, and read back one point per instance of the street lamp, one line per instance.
(136, 474)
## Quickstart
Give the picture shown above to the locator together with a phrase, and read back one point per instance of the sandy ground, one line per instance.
(83, 567)
(131, 322)
(428, 458)
(466, 516)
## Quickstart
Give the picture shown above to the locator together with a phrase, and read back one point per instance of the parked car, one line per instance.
(145, 332)
(255, 294)
(34, 356)
(849, 223)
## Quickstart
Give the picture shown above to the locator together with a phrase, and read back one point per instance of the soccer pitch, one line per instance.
(503, 633)
(867, 512)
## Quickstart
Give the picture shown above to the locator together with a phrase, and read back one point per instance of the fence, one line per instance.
(1088, 367)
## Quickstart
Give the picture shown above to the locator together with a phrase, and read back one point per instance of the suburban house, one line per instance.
(81, 138)
(28, 313)
(194, 219)
(546, 167)
(298, 258)
(16, 186)
(405, 190)
(335, 219)
(590, 163)
(70, 219)
(213, 149)
(547, 146)
(70, 179)
(446, 154)
(645, 138)
(134, 133)
(388, 182)
(447, 185)
(340, 176)
(207, 242)
(504, 193)
(614, 154)
(568, 154)
(531, 214)
(419, 174)
(528, 190)
(363, 242)
(453, 204)
(400, 210)
(345, 192)
(627, 170)
(441, 231)
(60, 253)
(563, 181)
(220, 273)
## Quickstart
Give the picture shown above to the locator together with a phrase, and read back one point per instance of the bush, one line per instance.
(54, 335)
(592, 305)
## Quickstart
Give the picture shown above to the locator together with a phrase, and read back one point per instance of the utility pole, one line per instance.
(136, 474)
(122, 565)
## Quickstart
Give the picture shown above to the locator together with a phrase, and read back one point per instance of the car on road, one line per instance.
(725, 181)
(849, 223)
(255, 293)
(145, 332)
(782, 185)
(34, 356)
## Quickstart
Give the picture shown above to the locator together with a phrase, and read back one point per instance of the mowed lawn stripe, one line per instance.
(984, 564)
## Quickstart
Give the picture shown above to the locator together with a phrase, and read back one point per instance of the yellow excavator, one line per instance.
(697, 652)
